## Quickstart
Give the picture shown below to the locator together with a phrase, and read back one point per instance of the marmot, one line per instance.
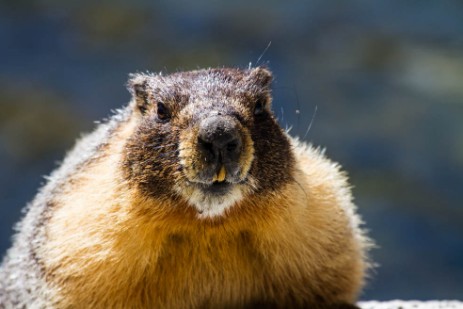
(192, 196)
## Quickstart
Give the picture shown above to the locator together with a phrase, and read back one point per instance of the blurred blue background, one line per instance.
(386, 79)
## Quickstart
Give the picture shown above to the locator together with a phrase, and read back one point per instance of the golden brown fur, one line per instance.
(111, 245)
(132, 252)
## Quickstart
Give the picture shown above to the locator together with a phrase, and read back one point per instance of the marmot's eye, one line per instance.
(259, 107)
(162, 111)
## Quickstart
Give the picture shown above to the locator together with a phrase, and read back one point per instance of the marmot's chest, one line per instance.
(223, 267)
(178, 270)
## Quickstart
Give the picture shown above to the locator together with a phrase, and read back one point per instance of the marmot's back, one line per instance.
(190, 197)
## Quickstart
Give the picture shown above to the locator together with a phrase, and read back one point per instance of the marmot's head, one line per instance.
(208, 137)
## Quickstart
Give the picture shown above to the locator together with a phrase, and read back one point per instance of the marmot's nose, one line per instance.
(219, 138)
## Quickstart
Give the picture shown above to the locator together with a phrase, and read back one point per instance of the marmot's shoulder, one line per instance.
(22, 283)
(327, 179)
(191, 196)
(318, 168)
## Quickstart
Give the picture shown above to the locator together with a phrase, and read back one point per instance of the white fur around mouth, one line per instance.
(212, 205)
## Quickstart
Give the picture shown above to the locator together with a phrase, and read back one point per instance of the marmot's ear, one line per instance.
(138, 87)
(260, 76)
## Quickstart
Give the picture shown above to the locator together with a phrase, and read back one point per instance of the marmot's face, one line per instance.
(207, 137)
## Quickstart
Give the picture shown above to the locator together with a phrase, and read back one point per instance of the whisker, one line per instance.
(298, 106)
(167, 153)
(311, 121)
(159, 147)
(302, 188)
(186, 148)
(283, 115)
(263, 53)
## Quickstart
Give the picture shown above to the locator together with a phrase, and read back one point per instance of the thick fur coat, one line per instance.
(143, 213)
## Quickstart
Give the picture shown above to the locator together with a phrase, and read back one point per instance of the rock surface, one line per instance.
(400, 304)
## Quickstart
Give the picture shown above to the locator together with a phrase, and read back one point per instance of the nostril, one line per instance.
(205, 145)
(232, 146)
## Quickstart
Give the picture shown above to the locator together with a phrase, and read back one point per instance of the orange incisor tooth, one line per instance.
(221, 175)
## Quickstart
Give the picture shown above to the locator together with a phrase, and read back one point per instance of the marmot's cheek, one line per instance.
(189, 159)
(247, 154)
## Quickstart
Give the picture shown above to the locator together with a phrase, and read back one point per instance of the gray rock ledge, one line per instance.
(400, 304)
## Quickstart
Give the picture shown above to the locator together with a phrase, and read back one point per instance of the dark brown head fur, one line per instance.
(166, 156)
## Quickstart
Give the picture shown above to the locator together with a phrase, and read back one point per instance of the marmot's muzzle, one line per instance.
(220, 143)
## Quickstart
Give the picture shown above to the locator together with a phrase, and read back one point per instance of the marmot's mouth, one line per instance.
(216, 188)
(220, 183)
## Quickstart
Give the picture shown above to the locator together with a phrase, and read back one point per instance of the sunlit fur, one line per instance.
(126, 251)
(101, 235)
